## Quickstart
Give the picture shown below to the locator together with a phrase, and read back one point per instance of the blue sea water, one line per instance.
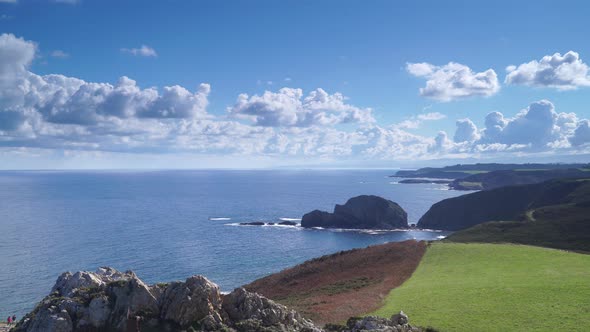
(168, 225)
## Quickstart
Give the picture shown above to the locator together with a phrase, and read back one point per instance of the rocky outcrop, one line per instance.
(361, 212)
(253, 312)
(109, 300)
(262, 223)
(397, 323)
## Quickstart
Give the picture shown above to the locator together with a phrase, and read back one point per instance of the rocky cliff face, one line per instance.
(109, 300)
(361, 212)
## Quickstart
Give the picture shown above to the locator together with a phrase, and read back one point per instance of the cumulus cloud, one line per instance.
(289, 108)
(144, 50)
(454, 81)
(441, 143)
(69, 100)
(535, 125)
(57, 106)
(536, 128)
(466, 131)
(581, 134)
(563, 72)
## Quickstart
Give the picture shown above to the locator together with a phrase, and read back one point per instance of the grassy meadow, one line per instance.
(496, 287)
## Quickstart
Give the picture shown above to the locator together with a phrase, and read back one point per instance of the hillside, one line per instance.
(463, 171)
(334, 287)
(497, 179)
(490, 287)
(505, 204)
(561, 226)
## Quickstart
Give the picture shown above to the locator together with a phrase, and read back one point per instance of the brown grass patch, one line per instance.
(332, 288)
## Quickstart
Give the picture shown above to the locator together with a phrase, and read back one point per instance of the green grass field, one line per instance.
(496, 287)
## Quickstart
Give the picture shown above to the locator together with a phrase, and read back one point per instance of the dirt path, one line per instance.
(330, 289)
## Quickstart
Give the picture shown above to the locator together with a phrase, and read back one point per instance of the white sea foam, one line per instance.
(290, 219)
(219, 219)
(266, 224)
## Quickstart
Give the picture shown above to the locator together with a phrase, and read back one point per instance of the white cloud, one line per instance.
(562, 72)
(454, 81)
(535, 125)
(536, 128)
(144, 50)
(441, 143)
(581, 135)
(59, 54)
(432, 116)
(415, 122)
(288, 108)
(466, 131)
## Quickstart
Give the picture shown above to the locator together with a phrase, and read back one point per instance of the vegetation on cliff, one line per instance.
(332, 288)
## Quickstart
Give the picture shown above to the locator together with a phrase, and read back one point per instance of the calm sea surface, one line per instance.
(168, 225)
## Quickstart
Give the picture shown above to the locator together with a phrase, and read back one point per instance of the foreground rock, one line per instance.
(361, 212)
(109, 300)
(397, 323)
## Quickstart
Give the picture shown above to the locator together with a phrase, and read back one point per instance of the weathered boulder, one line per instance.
(51, 319)
(252, 312)
(130, 298)
(68, 283)
(361, 212)
(400, 319)
(190, 301)
(398, 323)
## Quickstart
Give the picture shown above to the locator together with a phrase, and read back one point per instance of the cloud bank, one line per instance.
(71, 115)
(288, 108)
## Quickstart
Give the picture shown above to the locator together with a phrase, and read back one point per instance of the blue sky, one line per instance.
(372, 112)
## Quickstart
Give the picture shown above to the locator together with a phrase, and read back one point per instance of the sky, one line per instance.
(273, 84)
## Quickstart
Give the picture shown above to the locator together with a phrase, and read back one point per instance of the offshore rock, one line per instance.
(361, 212)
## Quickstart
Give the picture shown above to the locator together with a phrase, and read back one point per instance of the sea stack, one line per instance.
(361, 212)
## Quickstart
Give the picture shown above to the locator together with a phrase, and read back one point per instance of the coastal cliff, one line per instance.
(361, 212)
(552, 214)
(111, 301)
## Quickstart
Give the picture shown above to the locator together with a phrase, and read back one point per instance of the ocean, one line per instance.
(169, 225)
